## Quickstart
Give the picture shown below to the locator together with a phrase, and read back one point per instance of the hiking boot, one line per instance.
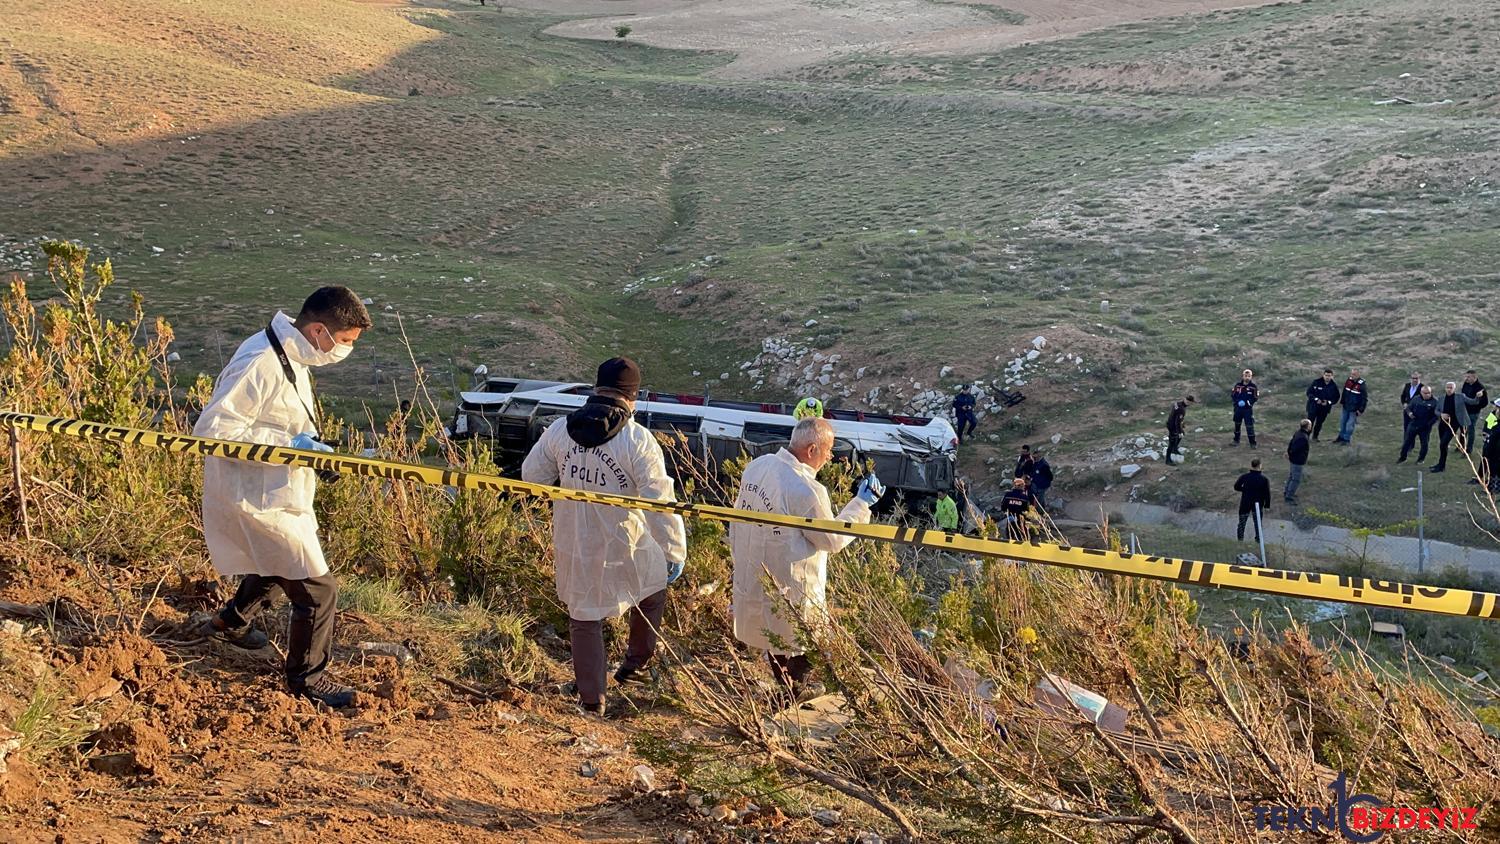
(633, 675)
(327, 692)
(595, 709)
(246, 637)
(1436, 469)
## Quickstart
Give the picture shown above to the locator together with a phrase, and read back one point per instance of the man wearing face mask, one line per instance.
(258, 518)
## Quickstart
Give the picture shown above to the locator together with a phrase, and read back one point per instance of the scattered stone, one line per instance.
(695, 801)
(945, 371)
(1130, 470)
(1247, 559)
(1039, 342)
(173, 357)
(10, 741)
(810, 323)
(1056, 438)
(587, 769)
(368, 301)
(1103, 306)
(157, 249)
(828, 817)
(1447, 660)
(721, 813)
(643, 778)
(684, 836)
(391, 649)
(867, 838)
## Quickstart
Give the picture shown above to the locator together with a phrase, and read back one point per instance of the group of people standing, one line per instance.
(1462, 414)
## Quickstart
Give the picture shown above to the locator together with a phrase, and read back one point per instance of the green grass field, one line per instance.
(533, 203)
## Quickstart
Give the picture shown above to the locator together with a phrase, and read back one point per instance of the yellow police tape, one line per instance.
(1295, 584)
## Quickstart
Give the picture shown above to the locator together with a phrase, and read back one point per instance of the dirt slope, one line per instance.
(772, 37)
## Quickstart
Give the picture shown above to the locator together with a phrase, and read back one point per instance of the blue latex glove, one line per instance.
(674, 571)
(870, 490)
(307, 441)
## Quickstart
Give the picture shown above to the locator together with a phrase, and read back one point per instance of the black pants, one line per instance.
(967, 422)
(310, 633)
(1445, 439)
(1318, 413)
(1174, 445)
(1246, 516)
(1245, 416)
(590, 664)
(790, 670)
(1414, 433)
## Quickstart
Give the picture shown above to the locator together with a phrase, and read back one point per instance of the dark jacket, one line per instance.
(1243, 394)
(1041, 474)
(1254, 489)
(1408, 392)
(1421, 413)
(1475, 397)
(1024, 465)
(598, 421)
(1355, 397)
(1297, 449)
(963, 402)
(1321, 395)
(1177, 419)
(1016, 502)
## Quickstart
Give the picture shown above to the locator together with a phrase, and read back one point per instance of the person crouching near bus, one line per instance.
(610, 560)
(797, 560)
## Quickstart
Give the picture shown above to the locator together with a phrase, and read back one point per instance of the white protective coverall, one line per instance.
(609, 559)
(796, 559)
(258, 518)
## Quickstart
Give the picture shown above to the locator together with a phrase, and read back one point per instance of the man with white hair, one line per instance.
(1453, 422)
(797, 560)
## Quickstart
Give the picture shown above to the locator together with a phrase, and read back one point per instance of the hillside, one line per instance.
(1105, 204)
(1226, 181)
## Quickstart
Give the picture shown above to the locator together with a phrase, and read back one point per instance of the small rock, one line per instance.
(368, 301)
(10, 741)
(1033, 354)
(827, 817)
(173, 357)
(1039, 342)
(1103, 306)
(1056, 438)
(944, 372)
(684, 836)
(1447, 660)
(867, 838)
(157, 249)
(390, 649)
(810, 323)
(695, 801)
(1130, 470)
(1247, 559)
(643, 778)
(587, 769)
(721, 813)
(1197, 430)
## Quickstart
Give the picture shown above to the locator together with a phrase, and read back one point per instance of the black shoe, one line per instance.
(595, 709)
(246, 637)
(1236, 442)
(631, 674)
(1402, 460)
(1252, 444)
(1436, 469)
(326, 692)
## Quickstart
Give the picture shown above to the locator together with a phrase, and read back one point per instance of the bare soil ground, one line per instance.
(773, 38)
(189, 740)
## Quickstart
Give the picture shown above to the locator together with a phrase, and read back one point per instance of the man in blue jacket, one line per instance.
(1421, 414)
(1322, 395)
(1353, 401)
(963, 412)
(1243, 396)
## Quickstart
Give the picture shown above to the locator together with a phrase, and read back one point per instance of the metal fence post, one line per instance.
(1421, 527)
(1260, 534)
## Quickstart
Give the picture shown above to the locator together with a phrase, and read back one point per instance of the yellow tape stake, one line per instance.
(1292, 584)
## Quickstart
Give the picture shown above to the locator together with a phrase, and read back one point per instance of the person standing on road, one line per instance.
(1176, 423)
(946, 512)
(610, 560)
(1296, 456)
(963, 412)
(1322, 395)
(1453, 421)
(258, 518)
(1352, 402)
(1041, 480)
(797, 560)
(1243, 396)
(1421, 415)
(1410, 390)
(1254, 489)
(1475, 399)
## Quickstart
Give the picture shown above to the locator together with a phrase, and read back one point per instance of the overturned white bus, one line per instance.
(914, 456)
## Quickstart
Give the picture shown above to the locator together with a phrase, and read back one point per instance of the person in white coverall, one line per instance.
(797, 560)
(258, 518)
(610, 560)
